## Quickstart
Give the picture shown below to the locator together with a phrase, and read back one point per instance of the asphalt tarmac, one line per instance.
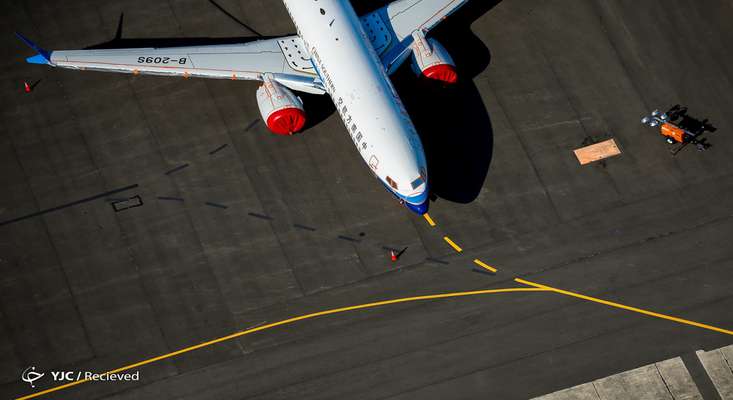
(141, 215)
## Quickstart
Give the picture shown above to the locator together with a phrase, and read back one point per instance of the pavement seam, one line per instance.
(362, 265)
(151, 133)
(523, 144)
(569, 99)
(619, 57)
(43, 222)
(664, 381)
(230, 317)
(595, 389)
(291, 267)
(16, 354)
(629, 245)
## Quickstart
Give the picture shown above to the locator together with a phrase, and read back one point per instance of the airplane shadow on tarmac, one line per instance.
(453, 122)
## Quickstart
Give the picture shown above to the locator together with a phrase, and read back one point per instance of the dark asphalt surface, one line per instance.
(213, 249)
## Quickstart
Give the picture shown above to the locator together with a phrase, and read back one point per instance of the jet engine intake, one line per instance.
(280, 108)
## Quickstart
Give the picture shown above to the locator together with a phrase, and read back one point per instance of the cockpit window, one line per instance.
(392, 183)
(417, 182)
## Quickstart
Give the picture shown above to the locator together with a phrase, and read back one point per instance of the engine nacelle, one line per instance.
(280, 108)
(431, 60)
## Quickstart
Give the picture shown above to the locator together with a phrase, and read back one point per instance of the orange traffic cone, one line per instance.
(27, 87)
(393, 255)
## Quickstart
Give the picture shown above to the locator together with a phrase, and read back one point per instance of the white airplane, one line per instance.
(335, 52)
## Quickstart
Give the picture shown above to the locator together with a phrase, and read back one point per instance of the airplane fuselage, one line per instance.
(364, 96)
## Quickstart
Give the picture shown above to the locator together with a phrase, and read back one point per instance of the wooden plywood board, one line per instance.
(597, 151)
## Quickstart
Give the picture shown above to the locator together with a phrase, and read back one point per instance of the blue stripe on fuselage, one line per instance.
(318, 72)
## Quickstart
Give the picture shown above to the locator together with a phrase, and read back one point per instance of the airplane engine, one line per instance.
(431, 60)
(281, 109)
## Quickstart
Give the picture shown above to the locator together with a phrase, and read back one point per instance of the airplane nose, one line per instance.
(418, 209)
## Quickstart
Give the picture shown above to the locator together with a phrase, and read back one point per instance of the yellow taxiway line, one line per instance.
(484, 265)
(430, 220)
(624, 307)
(534, 287)
(452, 244)
(284, 322)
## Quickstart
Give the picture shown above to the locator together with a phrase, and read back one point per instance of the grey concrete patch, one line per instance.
(586, 391)
(719, 370)
(643, 383)
(669, 379)
(678, 380)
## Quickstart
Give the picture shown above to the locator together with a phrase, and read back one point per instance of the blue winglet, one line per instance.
(43, 56)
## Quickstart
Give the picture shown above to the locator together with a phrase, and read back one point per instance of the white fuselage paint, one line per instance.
(363, 94)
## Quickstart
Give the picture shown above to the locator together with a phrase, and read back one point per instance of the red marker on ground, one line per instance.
(393, 255)
(27, 87)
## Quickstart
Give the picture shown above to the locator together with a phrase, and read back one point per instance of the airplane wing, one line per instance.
(286, 58)
(390, 28)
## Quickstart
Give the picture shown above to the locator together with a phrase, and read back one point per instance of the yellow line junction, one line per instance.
(529, 287)
(532, 287)
(624, 307)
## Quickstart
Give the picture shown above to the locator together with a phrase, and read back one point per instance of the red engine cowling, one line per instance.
(281, 109)
(431, 60)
